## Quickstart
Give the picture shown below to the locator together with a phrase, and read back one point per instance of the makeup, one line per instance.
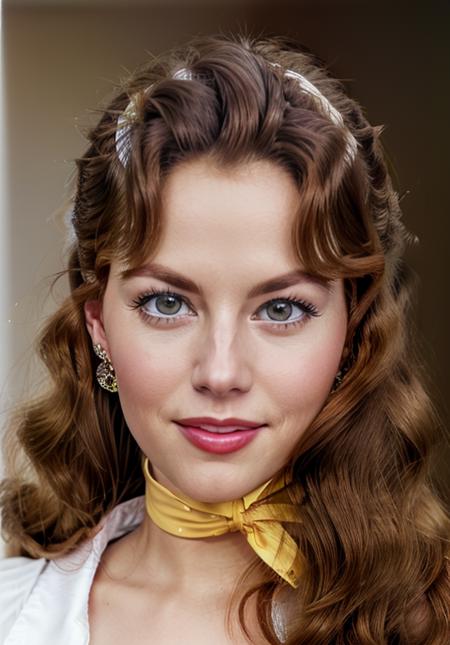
(219, 443)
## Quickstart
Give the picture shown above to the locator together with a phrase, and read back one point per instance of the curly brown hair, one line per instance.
(374, 531)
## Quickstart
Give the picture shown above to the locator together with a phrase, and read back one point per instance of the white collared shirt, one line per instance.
(45, 602)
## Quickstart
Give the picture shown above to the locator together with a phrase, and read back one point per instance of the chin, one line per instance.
(219, 483)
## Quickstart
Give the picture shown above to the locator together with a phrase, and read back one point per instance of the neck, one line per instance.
(214, 562)
(185, 580)
(149, 558)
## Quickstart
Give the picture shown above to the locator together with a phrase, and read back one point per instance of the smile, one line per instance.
(231, 424)
(219, 440)
(219, 430)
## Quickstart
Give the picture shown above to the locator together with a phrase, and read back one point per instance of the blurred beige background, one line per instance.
(61, 60)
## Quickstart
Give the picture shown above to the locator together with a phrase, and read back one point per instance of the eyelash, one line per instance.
(309, 310)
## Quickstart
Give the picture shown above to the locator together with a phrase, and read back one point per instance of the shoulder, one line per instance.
(44, 600)
(18, 576)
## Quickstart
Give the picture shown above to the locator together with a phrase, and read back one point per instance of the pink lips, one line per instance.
(221, 423)
(232, 433)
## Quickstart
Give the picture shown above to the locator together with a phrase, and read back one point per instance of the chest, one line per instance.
(134, 617)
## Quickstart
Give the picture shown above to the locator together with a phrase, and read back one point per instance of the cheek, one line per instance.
(147, 374)
(305, 375)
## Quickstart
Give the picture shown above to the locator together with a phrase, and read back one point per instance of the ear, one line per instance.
(93, 313)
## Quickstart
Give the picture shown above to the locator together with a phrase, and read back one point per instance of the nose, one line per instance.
(222, 364)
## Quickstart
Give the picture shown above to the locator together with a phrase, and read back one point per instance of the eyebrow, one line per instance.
(163, 273)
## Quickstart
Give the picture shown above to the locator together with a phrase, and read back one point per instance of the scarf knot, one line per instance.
(237, 521)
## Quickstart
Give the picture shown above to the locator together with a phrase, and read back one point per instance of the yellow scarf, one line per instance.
(259, 520)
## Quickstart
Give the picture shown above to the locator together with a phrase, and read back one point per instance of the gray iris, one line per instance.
(167, 306)
(280, 308)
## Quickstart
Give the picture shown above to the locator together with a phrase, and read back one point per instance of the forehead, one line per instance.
(239, 212)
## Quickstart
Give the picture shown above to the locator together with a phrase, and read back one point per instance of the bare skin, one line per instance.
(133, 603)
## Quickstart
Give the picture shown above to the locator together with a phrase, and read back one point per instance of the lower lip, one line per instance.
(220, 444)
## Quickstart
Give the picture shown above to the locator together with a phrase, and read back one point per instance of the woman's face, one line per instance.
(226, 350)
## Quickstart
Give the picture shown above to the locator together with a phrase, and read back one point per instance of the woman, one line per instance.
(236, 444)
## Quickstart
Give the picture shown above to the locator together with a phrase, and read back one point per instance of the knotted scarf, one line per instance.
(258, 515)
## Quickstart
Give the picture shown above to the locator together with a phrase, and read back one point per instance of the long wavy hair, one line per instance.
(374, 530)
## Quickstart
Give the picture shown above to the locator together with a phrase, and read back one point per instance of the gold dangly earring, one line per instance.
(337, 380)
(347, 356)
(105, 371)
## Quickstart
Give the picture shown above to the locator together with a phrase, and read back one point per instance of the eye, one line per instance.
(161, 305)
(280, 311)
